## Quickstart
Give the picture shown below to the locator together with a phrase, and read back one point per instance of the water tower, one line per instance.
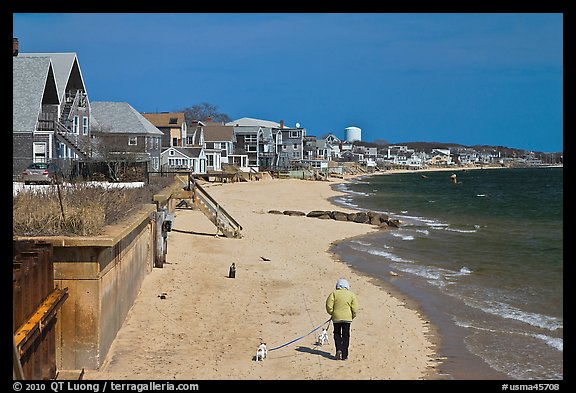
(353, 134)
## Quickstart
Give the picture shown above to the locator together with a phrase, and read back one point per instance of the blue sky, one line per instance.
(471, 78)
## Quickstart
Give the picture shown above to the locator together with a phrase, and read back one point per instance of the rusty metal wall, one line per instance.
(33, 281)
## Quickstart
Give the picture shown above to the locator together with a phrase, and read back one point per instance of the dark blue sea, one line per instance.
(482, 258)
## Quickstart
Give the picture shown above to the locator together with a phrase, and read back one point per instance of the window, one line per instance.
(84, 125)
(295, 146)
(250, 139)
(210, 160)
(174, 141)
(250, 148)
(296, 154)
(76, 125)
(294, 134)
(171, 152)
(132, 141)
(39, 151)
(173, 120)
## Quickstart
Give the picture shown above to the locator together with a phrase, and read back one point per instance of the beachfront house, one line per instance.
(51, 110)
(333, 143)
(124, 135)
(403, 157)
(369, 155)
(219, 145)
(192, 158)
(440, 157)
(255, 141)
(173, 126)
(289, 146)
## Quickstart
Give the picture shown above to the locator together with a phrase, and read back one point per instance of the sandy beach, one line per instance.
(191, 322)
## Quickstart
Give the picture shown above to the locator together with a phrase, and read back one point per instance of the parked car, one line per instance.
(42, 172)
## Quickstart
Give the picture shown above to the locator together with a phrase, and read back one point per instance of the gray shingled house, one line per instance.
(123, 134)
(51, 110)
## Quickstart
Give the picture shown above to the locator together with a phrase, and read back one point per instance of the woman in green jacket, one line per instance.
(342, 305)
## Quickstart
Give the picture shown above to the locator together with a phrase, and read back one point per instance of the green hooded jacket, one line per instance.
(342, 305)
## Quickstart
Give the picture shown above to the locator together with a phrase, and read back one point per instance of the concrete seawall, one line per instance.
(103, 275)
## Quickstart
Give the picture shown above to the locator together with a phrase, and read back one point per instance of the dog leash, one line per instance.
(301, 337)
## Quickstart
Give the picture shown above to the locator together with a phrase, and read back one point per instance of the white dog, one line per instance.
(262, 352)
(323, 338)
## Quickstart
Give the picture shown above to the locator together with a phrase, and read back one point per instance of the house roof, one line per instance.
(171, 119)
(63, 64)
(248, 121)
(120, 118)
(190, 152)
(33, 82)
(246, 129)
(218, 133)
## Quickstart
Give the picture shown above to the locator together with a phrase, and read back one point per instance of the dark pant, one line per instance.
(342, 337)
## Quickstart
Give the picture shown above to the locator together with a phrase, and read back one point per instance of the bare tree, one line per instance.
(204, 111)
(110, 149)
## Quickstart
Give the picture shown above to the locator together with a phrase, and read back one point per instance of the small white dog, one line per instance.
(323, 338)
(262, 352)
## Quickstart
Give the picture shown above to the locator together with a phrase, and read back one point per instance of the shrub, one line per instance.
(83, 209)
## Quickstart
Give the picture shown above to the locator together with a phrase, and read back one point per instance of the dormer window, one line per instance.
(173, 120)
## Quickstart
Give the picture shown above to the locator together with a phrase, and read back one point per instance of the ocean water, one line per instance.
(483, 258)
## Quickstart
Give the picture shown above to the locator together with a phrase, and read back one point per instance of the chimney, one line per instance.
(14, 46)
(281, 123)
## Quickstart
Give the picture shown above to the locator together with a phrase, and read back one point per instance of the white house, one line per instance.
(188, 158)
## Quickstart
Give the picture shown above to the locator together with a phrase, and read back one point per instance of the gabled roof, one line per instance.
(63, 64)
(171, 119)
(33, 83)
(248, 121)
(120, 118)
(190, 152)
(218, 133)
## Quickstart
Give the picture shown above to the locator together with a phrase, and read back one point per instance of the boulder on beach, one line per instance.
(318, 213)
(294, 213)
(394, 223)
(339, 216)
(361, 218)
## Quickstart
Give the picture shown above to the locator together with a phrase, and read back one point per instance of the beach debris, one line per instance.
(163, 295)
(232, 271)
(393, 273)
(264, 259)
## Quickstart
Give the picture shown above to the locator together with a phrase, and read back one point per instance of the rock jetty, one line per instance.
(373, 218)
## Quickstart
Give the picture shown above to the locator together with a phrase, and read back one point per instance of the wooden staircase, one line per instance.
(65, 135)
(63, 132)
(204, 202)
